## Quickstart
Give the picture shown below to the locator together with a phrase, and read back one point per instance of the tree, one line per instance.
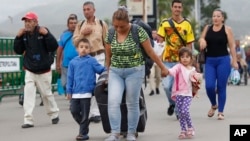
(207, 8)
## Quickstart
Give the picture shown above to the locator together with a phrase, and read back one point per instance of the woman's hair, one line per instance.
(121, 14)
(185, 50)
(84, 40)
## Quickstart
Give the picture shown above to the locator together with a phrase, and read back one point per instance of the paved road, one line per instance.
(160, 127)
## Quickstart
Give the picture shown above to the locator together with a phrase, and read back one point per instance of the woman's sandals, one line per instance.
(212, 111)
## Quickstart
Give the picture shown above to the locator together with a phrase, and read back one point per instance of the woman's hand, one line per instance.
(235, 65)
(203, 44)
(164, 72)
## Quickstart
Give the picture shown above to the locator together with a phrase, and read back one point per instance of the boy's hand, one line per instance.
(69, 96)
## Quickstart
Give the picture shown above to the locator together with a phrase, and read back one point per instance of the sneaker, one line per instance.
(157, 91)
(177, 117)
(27, 125)
(151, 93)
(55, 120)
(171, 110)
(131, 137)
(41, 104)
(112, 137)
(95, 119)
(82, 137)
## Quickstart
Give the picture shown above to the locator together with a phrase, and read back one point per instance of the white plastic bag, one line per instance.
(234, 76)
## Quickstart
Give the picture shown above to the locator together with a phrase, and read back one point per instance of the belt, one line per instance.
(97, 52)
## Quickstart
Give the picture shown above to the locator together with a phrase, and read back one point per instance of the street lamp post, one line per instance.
(144, 11)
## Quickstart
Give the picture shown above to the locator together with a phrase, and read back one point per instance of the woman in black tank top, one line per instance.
(215, 40)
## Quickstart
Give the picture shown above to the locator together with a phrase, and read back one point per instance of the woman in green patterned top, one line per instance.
(126, 69)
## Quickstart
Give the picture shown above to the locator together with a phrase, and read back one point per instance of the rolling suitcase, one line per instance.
(101, 95)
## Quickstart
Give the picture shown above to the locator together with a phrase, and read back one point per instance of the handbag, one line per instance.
(201, 57)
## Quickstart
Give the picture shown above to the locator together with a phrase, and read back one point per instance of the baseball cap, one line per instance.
(30, 16)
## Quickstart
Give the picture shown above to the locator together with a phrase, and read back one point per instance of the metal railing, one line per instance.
(11, 70)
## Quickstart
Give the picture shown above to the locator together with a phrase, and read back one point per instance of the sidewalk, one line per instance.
(160, 126)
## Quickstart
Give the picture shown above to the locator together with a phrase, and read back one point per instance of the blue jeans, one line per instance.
(80, 111)
(167, 83)
(120, 79)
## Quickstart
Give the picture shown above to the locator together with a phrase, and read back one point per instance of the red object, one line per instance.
(30, 16)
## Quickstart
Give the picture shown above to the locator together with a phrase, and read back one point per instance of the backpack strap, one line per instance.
(135, 34)
(81, 23)
(111, 34)
(136, 38)
(101, 23)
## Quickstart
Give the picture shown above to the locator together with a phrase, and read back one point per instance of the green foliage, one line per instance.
(207, 8)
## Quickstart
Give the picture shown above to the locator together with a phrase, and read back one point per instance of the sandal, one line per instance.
(220, 116)
(190, 133)
(211, 111)
(182, 135)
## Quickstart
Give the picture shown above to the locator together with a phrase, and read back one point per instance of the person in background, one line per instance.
(80, 85)
(239, 49)
(36, 44)
(66, 50)
(155, 72)
(248, 59)
(215, 39)
(126, 71)
(173, 44)
(95, 31)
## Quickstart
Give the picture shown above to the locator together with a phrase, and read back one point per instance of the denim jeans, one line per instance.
(80, 111)
(167, 83)
(120, 79)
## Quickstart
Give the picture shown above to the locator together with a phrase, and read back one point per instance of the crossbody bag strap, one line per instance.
(176, 31)
(66, 41)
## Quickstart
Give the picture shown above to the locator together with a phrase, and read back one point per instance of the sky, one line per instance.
(51, 13)
(237, 11)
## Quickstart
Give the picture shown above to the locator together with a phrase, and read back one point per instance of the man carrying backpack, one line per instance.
(175, 39)
(95, 31)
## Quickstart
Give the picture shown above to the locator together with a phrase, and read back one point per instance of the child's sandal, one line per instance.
(190, 133)
(182, 135)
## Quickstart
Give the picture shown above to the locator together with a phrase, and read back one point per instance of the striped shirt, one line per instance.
(127, 54)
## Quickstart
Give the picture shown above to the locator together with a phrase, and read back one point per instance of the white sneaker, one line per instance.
(112, 137)
(131, 137)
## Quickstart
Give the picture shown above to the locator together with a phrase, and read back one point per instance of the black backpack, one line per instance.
(135, 35)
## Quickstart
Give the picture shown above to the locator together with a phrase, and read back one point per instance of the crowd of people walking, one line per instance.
(85, 50)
